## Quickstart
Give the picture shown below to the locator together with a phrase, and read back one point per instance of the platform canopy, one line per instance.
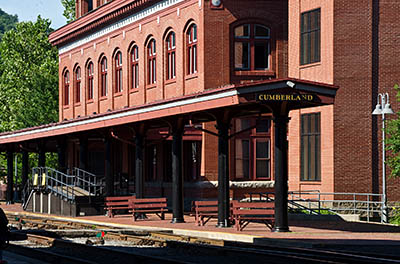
(239, 100)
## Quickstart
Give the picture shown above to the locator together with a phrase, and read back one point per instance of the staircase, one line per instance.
(74, 193)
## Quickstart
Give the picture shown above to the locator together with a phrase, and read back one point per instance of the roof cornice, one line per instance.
(97, 18)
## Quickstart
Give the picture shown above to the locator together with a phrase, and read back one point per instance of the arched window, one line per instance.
(66, 88)
(135, 67)
(171, 51)
(90, 81)
(78, 85)
(252, 47)
(191, 46)
(103, 80)
(118, 72)
(151, 62)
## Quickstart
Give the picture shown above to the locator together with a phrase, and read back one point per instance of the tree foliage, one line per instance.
(69, 10)
(393, 141)
(7, 22)
(28, 76)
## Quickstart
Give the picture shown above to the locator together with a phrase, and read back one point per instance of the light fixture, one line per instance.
(387, 109)
(290, 84)
(383, 107)
(378, 109)
(216, 2)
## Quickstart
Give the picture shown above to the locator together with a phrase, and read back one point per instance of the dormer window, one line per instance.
(252, 47)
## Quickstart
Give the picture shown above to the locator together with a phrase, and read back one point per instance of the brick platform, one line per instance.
(304, 233)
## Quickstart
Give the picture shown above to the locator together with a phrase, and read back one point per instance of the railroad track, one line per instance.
(52, 247)
(177, 250)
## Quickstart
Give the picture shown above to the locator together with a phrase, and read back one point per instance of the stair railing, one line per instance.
(54, 181)
(27, 192)
(87, 181)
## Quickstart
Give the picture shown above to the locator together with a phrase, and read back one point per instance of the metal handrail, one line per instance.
(26, 194)
(87, 181)
(55, 181)
(368, 203)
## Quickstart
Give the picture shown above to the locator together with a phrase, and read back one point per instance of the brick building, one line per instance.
(216, 81)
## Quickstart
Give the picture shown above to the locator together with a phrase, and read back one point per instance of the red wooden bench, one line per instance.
(259, 212)
(204, 211)
(117, 203)
(156, 206)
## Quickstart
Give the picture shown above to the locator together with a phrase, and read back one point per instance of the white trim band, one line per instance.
(117, 25)
(128, 113)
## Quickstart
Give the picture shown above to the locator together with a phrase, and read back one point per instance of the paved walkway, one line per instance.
(305, 233)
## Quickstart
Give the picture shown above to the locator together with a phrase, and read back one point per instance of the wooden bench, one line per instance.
(259, 212)
(117, 203)
(204, 211)
(156, 206)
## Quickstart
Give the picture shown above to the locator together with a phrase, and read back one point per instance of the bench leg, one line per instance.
(237, 224)
(134, 216)
(162, 216)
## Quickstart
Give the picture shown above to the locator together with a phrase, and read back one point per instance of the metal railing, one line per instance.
(27, 192)
(88, 182)
(367, 204)
(316, 202)
(55, 181)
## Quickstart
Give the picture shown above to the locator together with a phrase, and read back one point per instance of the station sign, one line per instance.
(264, 97)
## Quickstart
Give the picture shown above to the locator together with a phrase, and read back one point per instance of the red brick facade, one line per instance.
(358, 54)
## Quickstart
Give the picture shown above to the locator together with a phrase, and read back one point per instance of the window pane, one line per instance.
(261, 31)
(263, 126)
(242, 31)
(261, 51)
(194, 33)
(304, 22)
(262, 149)
(262, 169)
(310, 37)
(304, 157)
(242, 55)
(242, 158)
(242, 124)
(310, 147)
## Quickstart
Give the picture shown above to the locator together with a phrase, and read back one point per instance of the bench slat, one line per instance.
(206, 203)
(150, 200)
(156, 205)
(253, 211)
(149, 205)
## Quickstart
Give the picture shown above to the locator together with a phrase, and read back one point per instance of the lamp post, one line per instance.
(382, 108)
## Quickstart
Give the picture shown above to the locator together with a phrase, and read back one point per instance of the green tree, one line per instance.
(69, 10)
(28, 76)
(28, 81)
(393, 140)
(7, 22)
